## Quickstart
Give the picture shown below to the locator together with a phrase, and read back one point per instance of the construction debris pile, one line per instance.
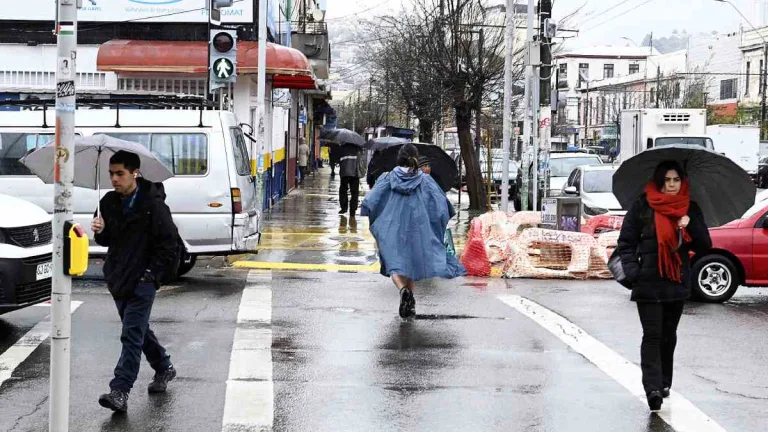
(514, 245)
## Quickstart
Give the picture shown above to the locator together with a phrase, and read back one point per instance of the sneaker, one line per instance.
(160, 382)
(655, 400)
(407, 303)
(116, 400)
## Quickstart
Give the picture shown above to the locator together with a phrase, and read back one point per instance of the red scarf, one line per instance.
(668, 209)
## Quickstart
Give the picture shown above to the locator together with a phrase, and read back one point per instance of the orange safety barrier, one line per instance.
(603, 223)
(474, 257)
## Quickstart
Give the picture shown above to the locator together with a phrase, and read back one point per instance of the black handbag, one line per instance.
(617, 269)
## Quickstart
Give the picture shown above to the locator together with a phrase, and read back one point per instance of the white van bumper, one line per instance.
(245, 232)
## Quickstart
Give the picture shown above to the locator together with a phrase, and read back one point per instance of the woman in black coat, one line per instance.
(659, 231)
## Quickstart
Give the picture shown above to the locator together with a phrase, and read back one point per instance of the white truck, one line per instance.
(738, 143)
(642, 129)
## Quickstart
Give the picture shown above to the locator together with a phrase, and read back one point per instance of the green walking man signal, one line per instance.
(223, 61)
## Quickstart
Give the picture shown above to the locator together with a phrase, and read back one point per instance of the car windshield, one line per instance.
(760, 205)
(563, 167)
(598, 181)
(703, 142)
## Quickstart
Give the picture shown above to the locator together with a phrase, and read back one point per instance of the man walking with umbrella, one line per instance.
(142, 240)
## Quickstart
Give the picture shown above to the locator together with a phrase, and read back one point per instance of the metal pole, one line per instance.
(64, 173)
(527, 126)
(764, 77)
(534, 106)
(479, 101)
(257, 147)
(386, 86)
(507, 120)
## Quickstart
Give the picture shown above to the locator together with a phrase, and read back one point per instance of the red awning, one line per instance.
(135, 56)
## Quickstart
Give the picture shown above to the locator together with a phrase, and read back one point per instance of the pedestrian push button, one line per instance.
(75, 249)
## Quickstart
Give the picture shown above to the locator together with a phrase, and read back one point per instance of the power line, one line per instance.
(597, 14)
(617, 16)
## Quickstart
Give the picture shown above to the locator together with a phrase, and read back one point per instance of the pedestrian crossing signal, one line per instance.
(223, 58)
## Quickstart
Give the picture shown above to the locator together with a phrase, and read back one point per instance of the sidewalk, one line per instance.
(305, 232)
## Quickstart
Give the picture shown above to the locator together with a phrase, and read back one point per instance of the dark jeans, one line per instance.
(137, 337)
(347, 184)
(657, 351)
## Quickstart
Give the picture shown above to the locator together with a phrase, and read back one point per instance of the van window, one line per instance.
(242, 163)
(182, 153)
(14, 146)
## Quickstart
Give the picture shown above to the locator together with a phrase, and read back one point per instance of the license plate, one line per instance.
(44, 271)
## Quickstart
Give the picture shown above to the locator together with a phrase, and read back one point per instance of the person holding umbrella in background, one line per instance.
(660, 229)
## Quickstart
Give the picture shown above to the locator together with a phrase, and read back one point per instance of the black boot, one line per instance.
(665, 392)
(116, 400)
(655, 400)
(407, 303)
(160, 382)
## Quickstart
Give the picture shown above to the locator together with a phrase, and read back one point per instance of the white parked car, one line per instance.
(25, 254)
(594, 184)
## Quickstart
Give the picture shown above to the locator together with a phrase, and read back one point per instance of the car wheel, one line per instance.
(716, 279)
(187, 263)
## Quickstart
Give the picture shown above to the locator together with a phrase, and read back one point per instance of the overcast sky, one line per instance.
(604, 22)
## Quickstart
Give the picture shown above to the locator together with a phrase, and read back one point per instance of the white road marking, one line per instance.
(677, 411)
(24, 347)
(249, 402)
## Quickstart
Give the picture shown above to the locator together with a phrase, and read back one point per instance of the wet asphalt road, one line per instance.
(342, 360)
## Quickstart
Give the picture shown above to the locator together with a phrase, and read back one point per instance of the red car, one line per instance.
(739, 256)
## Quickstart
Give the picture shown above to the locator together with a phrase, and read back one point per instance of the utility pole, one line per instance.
(764, 77)
(257, 148)
(658, 85)
(545, 84)
(370, 102)
(64, 174)
(507, 120)
(527, 112)
(532, 103)
(479, 98)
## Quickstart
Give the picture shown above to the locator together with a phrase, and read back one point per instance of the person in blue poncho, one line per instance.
(408, 214)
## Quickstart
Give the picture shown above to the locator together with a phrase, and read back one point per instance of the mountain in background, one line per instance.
(678, 41)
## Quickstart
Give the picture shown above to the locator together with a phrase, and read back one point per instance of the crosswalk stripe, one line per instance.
(249, 400)
(24, 347)
(677, 411)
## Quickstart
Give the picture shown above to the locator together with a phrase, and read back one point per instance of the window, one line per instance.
(677, 91)
(762, 77)
(563, 167)
(563, 71)
(583, 73)
(14, 146)
(242, 163)
(653, 95)
(608, 70)
(634, 68)
(746, 90)
(182, 153)
(598, 181)
(728, 89)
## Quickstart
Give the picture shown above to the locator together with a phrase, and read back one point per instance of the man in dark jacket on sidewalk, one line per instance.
(142, 241)
(351, 167)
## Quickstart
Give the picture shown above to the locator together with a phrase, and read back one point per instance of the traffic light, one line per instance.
(223, 58)
(545, 36)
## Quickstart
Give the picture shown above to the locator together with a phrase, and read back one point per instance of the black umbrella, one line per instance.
(343, 136)
(443, 167)
(382, 143)
(722, 189)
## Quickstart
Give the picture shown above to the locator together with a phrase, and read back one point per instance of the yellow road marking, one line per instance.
(373, 268)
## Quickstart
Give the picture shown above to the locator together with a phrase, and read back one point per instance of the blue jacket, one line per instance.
(408, 214)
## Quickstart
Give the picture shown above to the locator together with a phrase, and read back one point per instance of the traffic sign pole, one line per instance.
(64, 173)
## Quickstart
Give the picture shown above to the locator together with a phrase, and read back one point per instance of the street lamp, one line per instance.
(763, 77)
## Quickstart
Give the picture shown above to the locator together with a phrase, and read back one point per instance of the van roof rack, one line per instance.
(100, 101)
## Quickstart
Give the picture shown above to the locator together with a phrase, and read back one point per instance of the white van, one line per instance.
(212, 196)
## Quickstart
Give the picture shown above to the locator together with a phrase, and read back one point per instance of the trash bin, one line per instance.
(561, 213)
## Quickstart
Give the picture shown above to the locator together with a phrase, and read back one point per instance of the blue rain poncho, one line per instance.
(409, 214)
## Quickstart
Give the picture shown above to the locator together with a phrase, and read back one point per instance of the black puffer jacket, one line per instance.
(145, 239)
(639, 252)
